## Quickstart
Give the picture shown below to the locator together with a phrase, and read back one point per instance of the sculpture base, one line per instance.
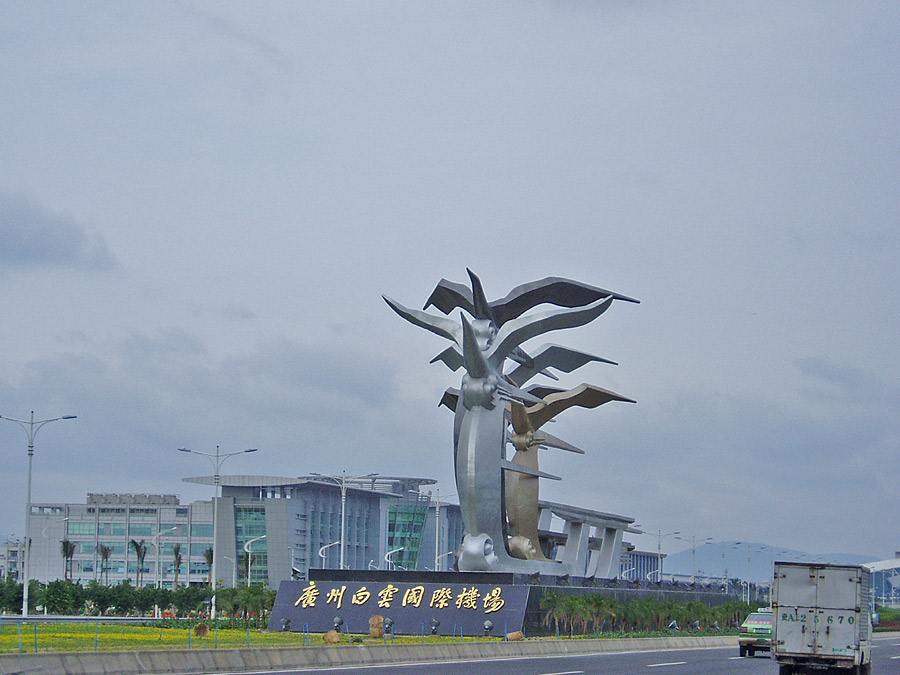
(444, 603)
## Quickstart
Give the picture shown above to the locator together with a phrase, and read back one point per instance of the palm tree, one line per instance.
(105, 552)
(67, 549)
(208, 556)
(140, 552)
(242, 566)
(176, 555)
(551, 603)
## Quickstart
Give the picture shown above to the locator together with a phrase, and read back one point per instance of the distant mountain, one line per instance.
(712, 559)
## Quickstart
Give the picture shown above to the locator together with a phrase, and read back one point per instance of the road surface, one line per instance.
(715, 661)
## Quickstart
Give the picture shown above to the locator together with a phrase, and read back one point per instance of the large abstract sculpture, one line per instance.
(499, 497)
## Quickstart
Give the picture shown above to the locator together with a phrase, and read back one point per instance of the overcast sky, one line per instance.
(201, 203)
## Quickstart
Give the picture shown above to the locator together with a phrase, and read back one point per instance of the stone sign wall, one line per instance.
(413, 607)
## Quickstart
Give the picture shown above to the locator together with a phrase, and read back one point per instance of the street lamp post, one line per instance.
(155, 540)
(387, 557)
(341, 481)
(247, 548)
(30, 427)
(156, 584)
(437, 523)
(217, 460)
(693, 541)
(324, 548)
(659, 538)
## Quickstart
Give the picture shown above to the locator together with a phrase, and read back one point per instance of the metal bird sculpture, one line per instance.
(490, 397)
(448, 295)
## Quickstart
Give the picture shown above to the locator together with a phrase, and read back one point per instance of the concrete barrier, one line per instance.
(261, 659)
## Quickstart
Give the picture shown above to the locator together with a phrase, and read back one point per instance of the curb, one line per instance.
(262, 659)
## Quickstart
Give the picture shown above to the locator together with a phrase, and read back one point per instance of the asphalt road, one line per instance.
(717, 661)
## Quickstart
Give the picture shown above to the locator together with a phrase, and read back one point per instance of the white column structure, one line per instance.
(579, 554)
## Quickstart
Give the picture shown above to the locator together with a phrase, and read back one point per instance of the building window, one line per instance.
(406, 521)
(140, 530)
(199, 550)
(173, 529)
(111, 529)
(201, 530)
(249, 523)
(199, 568)
(82, 528)
(115, 547)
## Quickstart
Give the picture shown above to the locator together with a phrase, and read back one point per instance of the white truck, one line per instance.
(822, 622)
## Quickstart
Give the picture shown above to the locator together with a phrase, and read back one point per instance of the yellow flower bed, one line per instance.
(87, 637)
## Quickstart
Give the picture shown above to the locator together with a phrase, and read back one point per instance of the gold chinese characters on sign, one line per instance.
(467, 598)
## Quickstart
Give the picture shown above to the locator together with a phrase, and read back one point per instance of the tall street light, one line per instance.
(30, 427)
(155, 540)
(156, 583)
(693, 541)
(387, 557)
(247, 550)
(659, 537)
(437, 523)
(341, 481)
(324, 548)
(217, 459)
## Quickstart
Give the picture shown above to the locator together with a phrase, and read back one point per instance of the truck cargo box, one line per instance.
(821, 617)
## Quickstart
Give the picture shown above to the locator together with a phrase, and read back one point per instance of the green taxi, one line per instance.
(756, 633)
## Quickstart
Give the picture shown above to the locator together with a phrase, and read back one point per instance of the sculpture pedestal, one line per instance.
(445, 603)
(417, 603)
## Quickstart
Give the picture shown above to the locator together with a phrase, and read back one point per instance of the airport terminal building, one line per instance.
(290, 525)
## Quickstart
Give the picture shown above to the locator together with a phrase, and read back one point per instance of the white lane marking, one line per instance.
(670, 663)
(568, 672)
(736, 658)
(303, 669)
(894, 658)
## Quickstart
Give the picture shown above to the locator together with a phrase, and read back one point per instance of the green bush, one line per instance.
(593, 613)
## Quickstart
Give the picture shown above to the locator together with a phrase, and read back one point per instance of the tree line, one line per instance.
(594, 613)
(95, 599)
(139, 547)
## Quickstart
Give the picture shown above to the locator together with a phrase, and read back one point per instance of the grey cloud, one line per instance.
(697, 465)
(829, 380)
(232, 31)
(236, 312)
(34, 236)
(826, 371)
(155, 392)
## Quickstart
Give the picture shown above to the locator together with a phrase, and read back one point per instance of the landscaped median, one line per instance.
(348, 654)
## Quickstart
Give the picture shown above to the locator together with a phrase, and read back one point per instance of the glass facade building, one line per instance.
(406, 525)
(299, 520)
(105, 530)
